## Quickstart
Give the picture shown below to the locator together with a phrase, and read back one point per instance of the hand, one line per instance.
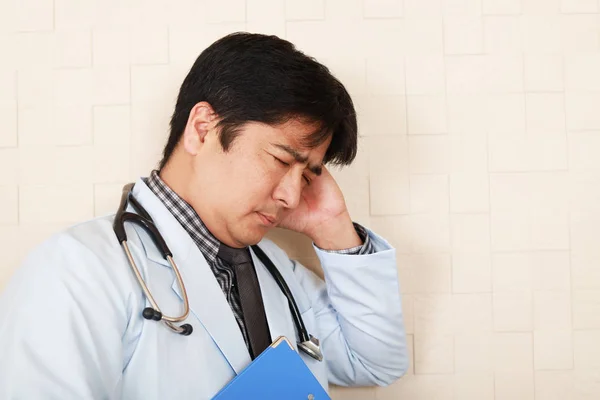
(323, 216)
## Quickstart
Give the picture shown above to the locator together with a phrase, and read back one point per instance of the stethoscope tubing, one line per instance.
(149, 296)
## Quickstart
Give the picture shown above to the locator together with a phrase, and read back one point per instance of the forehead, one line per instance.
(293, 133)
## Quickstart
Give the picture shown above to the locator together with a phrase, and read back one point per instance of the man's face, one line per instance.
(242, 193)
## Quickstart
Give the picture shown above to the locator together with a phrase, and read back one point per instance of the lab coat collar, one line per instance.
(206, 299)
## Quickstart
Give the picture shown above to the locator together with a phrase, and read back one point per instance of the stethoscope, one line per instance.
(307, 343)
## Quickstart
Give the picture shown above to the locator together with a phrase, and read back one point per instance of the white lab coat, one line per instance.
(71, 324)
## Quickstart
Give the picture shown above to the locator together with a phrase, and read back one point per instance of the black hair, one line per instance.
(249, 77)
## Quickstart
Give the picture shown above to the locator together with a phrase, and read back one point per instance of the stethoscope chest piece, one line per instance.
(312, 348)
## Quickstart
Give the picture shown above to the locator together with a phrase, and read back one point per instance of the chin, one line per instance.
(249, 238)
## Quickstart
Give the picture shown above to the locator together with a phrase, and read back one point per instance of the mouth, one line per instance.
(267, 220)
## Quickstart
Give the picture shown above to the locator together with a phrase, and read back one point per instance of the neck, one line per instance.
(177, 175)
(176, 178)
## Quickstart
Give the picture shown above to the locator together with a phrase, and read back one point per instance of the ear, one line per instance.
(201, 120)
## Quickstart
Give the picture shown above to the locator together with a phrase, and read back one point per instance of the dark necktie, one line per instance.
(251, 300)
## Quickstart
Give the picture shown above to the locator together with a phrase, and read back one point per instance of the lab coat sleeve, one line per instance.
(61, 326)
(359, 316)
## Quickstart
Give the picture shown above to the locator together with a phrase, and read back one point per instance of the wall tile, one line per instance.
(540, 34)
(544, 73)
(513, 311)
(40, 204)
(461, 7)
(426, 114)
(471, 272)
(73, 14)
(545, 112)
(580, 110)
(586, 309)
(149, 46)
(425, 75)
(465, 74)
(73, 48)
(433, 314)
(502, 34)
(514, 385)
(434, 354)
(503, 74)
(541, 7)
(383, 8)
(499, 7)
(473, 352)
(579, 33)
(513, 352)
(266, 16)
(552, 310)
(382, 115)
(586, 349)
(34, 15)
(474, 386)
(419, 8)
(470, 232)
(9, 165)
(424, 36)
(55, 165)
(472, 313)
(225, 11)
(106, 198)
(554, 385)
(9, 205)
(429, 194)
(8, 125)
(469, 193)
(579, 72)
(463, 35)
(111, 85)
(386, 76)
(429, 154)
(304, 10)
(578, 6)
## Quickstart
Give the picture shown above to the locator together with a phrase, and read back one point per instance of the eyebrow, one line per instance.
(315, 169)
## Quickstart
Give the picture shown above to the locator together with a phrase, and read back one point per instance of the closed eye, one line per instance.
(283, 163)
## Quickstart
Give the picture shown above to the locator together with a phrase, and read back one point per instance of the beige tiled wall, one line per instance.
(479, 158)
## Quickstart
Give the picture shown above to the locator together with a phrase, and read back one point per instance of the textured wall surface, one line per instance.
(479, 158)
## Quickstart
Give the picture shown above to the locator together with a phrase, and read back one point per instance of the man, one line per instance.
(255, 123)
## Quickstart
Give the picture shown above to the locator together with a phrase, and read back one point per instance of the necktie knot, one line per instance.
(234, 256)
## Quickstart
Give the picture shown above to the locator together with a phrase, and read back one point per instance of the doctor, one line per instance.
(255, 123)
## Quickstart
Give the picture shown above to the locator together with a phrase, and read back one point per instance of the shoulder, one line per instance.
(82, 259)
(91, 240)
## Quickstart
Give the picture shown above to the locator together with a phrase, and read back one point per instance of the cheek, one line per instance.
(253, 185)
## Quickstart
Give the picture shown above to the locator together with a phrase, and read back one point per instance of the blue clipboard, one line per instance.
(277, 373)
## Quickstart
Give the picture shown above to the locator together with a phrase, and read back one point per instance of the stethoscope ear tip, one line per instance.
(187, 329)
(151, 313)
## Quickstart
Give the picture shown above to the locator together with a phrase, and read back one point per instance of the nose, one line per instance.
(289, 189)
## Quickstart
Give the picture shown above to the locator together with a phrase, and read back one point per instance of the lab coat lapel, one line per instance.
(206, 299)
(276, 304)
(209, 305)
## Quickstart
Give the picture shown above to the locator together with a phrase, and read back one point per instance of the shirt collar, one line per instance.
(185, 215)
